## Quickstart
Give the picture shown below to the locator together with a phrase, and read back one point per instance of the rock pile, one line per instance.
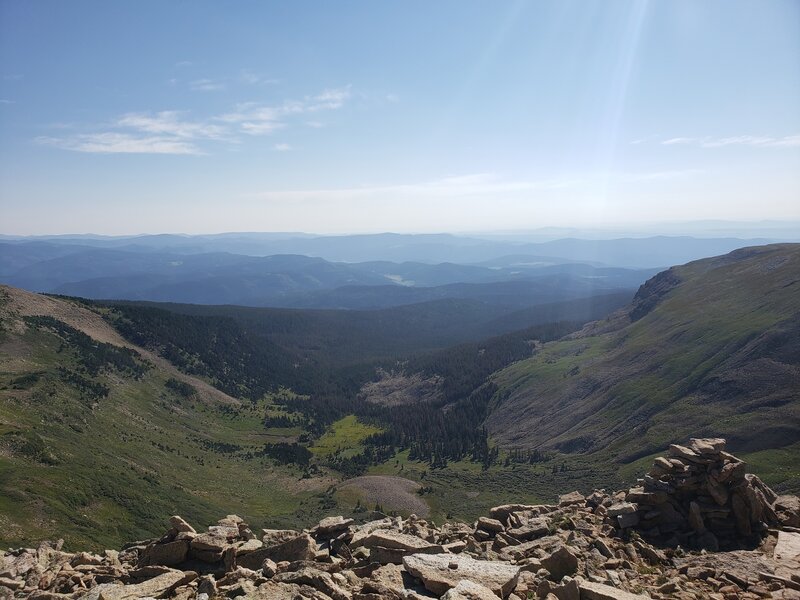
(581, 548)
(699, 496)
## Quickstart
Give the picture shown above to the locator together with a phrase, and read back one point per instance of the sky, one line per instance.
(146, 116)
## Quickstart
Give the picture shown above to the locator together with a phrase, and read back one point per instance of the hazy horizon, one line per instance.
(789, 230)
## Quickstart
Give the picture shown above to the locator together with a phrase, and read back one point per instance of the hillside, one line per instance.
(710, 347)
(100, 438)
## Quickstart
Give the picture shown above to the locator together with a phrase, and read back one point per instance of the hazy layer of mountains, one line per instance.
(361, 271)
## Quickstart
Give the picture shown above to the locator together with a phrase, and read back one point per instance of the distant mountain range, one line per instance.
(346, 272)
(629, 252)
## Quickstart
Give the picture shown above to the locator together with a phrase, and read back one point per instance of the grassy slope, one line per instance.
(717, 355)
(97, 471)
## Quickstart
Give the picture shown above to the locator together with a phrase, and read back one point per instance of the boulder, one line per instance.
(469, 590)
(532, 529)
(179, 525)
(270, 537)
(560, 563)
(489, 525)
(169, 554)
(502, 512)
(385, 538)
(152, 588)
(599, 591)
(332, 526)
(319, 580)
(441, 572)
(787, 508)
(301, 547)
(571, 498)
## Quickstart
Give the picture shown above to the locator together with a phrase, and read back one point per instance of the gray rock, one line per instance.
(561, 562)
(469, 590)
(532, 529)
(169, 554)
(181, 526)
(621, 508)
(489, 525)
(502, 512)
(441, 572)
(599, 591)
(332, 526)
(571, 499)
(152, 588)
(385, 538)
(319, 580)
(301, 547)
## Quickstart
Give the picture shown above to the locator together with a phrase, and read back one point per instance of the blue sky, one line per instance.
(333, 117)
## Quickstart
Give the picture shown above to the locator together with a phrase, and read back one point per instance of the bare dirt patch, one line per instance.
(392, 493)
(396, 389)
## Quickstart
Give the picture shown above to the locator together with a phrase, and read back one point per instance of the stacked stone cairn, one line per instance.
(699, 496)
(579, 548)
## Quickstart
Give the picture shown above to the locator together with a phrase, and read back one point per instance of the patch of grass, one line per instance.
(343, 438)
(779, 467)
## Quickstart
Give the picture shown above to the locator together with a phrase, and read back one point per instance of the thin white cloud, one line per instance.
(678, 140)
(260, 119)
(329, 99)
(206, 85)
(787, 141)
(282, 147)
(475, 185)
(252, 78)
(4, 101)
(183, 63)
(261, 127)
(169, 132)
(169, 122)
(121, 143)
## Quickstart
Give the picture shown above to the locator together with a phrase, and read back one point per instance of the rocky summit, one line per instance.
(696, 526)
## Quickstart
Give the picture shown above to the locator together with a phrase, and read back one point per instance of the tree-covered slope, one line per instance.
(708, 348)
(102, 440)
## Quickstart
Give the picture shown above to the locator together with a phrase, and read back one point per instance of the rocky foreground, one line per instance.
(696, 526)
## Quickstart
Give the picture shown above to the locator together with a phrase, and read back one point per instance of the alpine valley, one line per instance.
(115, 415)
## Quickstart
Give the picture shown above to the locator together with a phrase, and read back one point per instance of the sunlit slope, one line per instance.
(705, 349)
(100, 441)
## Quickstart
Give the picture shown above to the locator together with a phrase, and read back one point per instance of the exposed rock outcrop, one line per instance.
(647, 542)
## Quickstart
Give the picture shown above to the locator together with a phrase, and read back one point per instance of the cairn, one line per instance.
(699, 496)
